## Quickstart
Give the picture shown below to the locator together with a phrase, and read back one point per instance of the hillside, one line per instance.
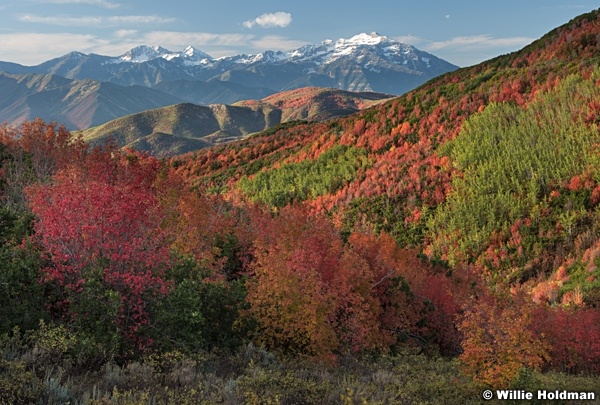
(316, 104)
(406, 186)
(77, 104)
(183, 128)
(211, 92)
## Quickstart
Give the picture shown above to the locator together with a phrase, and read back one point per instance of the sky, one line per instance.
(463, 32)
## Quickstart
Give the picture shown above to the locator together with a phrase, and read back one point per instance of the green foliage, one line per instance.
(199, 313)
(307, 179)
(511, 157)
(56, 341)
(583, 280)
(268, 386)
(21, 295)
(250, 376)
(96, 308)
(386, 214)
(285, 125)
(17, 385)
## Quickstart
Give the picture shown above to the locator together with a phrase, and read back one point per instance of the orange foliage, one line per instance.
(194, 221)
(37, 150)
(312, 294)
(499, 340)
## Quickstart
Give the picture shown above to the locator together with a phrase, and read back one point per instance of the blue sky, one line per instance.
(463, 32)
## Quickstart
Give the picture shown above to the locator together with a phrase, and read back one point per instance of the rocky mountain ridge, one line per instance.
(364, 62)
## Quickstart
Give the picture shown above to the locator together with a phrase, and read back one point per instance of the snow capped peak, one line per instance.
(366, 39)
(366, 49)
(271, 56)
(159, 49)
(359, 47)
(194, 54)
(75, 55)
(144, 53)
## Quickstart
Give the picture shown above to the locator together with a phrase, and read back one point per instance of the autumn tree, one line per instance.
(312, 293)
(288, 290)
(32, 153)
(499, 339)
(100, 224)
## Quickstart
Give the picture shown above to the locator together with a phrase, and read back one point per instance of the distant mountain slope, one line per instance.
(183, 127)
(317, 104)
(365, 62)
(76, 104)
(211, 92)
(186, 127)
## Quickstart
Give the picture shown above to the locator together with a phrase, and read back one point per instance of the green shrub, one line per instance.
(17, 385)
(296, 182)
(511, 158)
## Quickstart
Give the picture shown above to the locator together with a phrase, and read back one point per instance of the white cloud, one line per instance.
(465, 43)
(86, 21)
(125, 33)
(34, 48)
(410, 40)
(478, 42)
(270, 20)
(216, 45)
(99, 3)
(177, 39)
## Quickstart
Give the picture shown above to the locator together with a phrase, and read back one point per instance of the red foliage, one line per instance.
(37, 150)
(573, 335)
(311, 293)
(103, 214)
(51, 147)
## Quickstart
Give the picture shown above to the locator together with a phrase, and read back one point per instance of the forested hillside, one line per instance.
(420, 251)
(462, 159)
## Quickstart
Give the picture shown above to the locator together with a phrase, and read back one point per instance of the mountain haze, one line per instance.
(212, 91)
(77, 104)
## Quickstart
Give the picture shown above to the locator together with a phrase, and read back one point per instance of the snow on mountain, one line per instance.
(329, 51)
(265, 57)
(193, 56)
(324, 53)
(364, 62)
(143, 53)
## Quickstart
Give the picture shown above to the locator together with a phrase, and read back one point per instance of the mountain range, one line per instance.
(365, 62)
(149, 77)
(76, 104)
